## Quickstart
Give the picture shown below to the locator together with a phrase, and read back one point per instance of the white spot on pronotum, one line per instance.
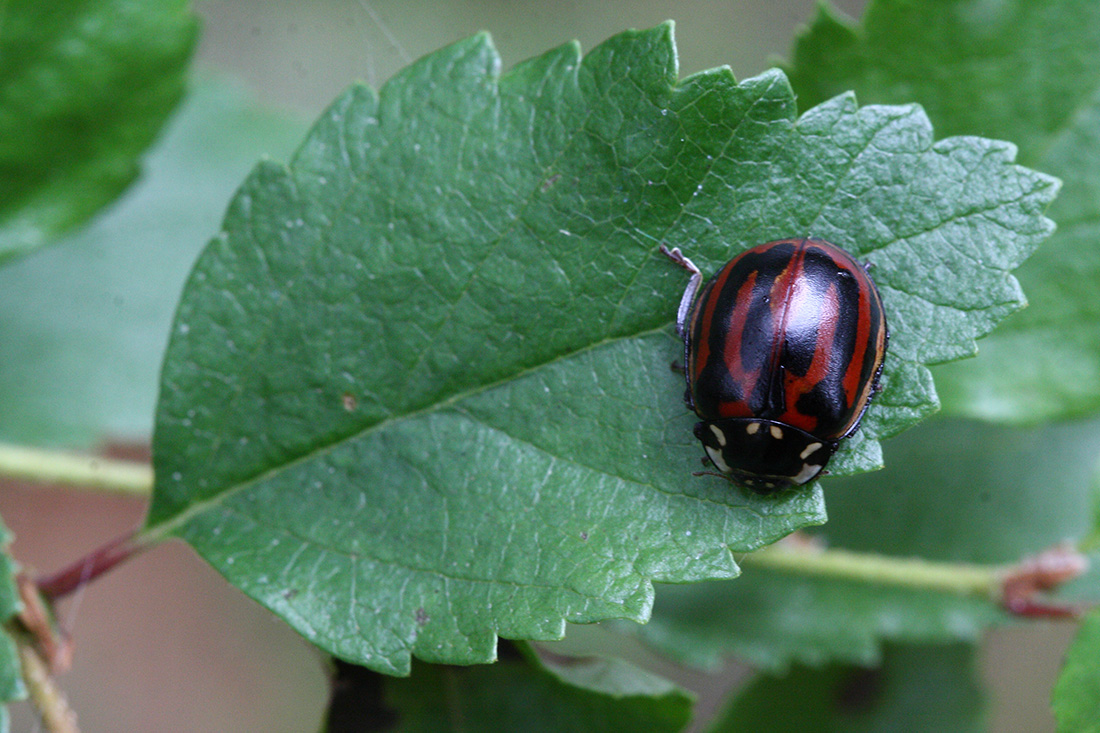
(776, 432)
(809, 470)
(752, 428)
(717, 459)
(718, 434)
(808, 450)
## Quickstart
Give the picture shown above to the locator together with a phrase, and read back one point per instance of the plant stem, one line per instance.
(973, 580)
(91, 566)
(52, 706)
(82, 471)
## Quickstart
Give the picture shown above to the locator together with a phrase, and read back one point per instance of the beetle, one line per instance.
(783, 350)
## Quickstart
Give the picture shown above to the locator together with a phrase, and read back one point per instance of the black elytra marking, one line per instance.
(821, 401)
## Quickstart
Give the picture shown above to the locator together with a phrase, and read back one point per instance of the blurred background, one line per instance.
(162, 643)
(300, 55)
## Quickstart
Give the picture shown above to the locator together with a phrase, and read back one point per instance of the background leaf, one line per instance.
(919, 689)
(1023, 71)
(86, 321)
(11, 669)
(770, 618)
(84, 88)
(1076, 697)
(961, 491)
(521, 692)
(952, 491)
(418, 392)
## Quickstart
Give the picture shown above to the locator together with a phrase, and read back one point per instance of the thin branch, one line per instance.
(53, 708)
(51, 644)
(78, 471)
(963, 579)
(1016, 587)
(91, 566)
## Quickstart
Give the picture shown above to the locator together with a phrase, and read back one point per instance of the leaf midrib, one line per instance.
(162, 530)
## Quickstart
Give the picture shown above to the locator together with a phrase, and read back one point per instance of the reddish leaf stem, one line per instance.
(52, 645)
(1042, 573)
(90, 567)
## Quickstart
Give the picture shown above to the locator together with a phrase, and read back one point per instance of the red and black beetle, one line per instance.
(783, 351)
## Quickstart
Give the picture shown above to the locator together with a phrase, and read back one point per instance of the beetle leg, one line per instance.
(688, 297)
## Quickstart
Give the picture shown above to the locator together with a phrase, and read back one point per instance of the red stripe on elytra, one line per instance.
(856, 367)
(869, 303)
(704, 311)
(828, 321)
(782, 297)
(738, 319)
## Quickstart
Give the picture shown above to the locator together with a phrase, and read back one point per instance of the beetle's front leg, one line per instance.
(692, 289)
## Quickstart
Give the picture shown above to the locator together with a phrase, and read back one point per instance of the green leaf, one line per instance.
(11, 669)
(1023, 71)
(86, 321)
(917, 689)
(1076, 696)
(962, 491)
(1085, 588)
(771, 618)
(952, 491)
(521, 692)
(84, 88)
(418, 391)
